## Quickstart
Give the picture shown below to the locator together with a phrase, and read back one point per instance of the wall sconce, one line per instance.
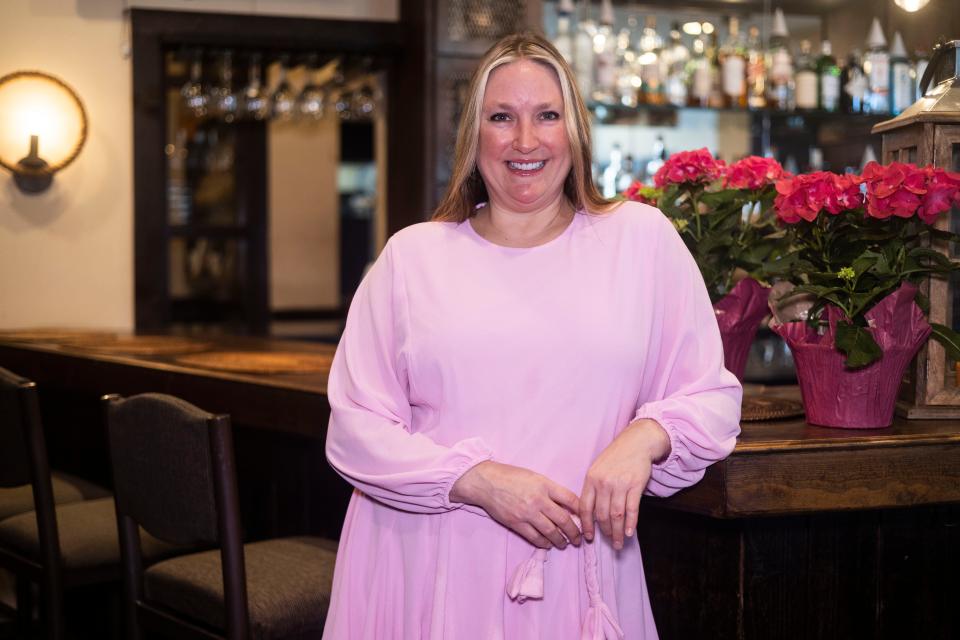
(911, 5)
(42, 117)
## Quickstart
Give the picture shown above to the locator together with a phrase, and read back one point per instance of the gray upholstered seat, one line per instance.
(88, 536)
(66, 489)
(288, 586)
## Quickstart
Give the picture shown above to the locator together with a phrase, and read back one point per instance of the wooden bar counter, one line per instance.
(803, 532)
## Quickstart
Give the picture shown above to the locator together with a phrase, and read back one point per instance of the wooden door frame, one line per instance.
(399, 50)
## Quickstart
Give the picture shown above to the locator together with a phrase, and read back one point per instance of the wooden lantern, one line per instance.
(928, 132)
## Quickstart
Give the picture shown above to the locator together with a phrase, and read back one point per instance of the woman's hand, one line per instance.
(533, 505)
(616, 480)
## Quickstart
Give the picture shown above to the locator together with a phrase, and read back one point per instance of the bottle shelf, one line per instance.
(617, 113)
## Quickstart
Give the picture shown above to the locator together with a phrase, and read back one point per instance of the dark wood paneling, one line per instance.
(864, 574)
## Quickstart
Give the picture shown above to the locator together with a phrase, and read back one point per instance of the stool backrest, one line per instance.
(161, 453)
(15, 455)
(23, 460)
(174, 475)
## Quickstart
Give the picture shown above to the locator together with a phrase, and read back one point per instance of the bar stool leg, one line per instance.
(25, 607)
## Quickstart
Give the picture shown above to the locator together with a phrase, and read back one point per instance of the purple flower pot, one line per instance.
(865, 398)
(738, 315)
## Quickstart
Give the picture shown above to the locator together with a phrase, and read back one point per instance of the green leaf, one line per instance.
(857, 344)
(949, 338)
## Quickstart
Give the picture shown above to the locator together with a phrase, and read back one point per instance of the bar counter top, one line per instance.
(778, 467)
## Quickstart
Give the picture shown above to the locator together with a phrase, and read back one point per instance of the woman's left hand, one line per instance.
(616, 480)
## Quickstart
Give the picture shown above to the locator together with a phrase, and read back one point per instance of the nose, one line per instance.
(526, 139)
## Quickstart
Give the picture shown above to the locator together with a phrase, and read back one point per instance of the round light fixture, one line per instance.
(911, 5)
(42, 117)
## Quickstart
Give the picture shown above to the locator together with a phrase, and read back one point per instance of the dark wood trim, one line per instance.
(313, 313)
(149, 177)
(251, 163)
(410, 120)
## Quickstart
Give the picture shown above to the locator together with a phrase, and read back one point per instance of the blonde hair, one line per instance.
(466, 188)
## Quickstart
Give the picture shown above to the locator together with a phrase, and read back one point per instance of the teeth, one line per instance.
(526, 166)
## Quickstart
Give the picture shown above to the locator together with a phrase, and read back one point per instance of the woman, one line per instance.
(527, 363)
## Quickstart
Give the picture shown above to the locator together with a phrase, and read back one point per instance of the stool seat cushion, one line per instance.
(66, 489)
(288, 586)
(88, 536)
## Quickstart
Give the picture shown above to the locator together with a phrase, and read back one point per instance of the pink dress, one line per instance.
(457, 351)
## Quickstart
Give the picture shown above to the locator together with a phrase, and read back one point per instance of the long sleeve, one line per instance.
(369, 440)
(689, 392)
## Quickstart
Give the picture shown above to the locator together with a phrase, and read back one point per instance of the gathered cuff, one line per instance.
(650, 411)
(473, 451)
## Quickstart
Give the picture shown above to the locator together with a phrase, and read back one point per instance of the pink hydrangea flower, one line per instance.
(904, 190)
(753, 172)
(943, 191)
(689, 167)
(803, 197)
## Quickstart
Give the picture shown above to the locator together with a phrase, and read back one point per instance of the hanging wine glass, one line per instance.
(342, 98)
(223, 101)
(194, 97)
(312, 100)
(284, 100)
(363, 102)
(256, 100)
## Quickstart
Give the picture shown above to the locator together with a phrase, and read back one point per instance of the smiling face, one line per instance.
(523, 152)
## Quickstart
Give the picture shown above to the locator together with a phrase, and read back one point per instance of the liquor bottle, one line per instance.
(701, 77)
(628, 73)
(658, 159)
(626, 176)
(608, 179)
(921, 60)
(564, 39)
(583, 51)
(605, 56)
(717, 100)
(876, 66)
(902, 84)
(780, 81)
(756, 70)
(676, 56)
(651, 46)
(828, 79)
(853, 80)
(806, 78)
(733, 67)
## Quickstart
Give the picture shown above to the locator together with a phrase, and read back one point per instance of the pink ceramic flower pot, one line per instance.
(738, 315)
(865, 398)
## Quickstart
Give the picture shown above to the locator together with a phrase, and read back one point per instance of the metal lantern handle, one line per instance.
(940, 50)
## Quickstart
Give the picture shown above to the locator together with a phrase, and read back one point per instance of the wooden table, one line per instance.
(803, 532)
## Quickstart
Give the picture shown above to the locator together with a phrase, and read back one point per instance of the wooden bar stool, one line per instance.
(57, 547)
(174, 475)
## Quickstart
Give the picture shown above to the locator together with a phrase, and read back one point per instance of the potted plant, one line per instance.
(723, 213)
(862, 245)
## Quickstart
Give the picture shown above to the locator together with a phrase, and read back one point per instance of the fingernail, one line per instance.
(628, 532)
(618, 545)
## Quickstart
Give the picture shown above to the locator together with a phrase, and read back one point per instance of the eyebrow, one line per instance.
(539, 107)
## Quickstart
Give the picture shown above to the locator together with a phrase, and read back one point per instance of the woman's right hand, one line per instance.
(526, 502)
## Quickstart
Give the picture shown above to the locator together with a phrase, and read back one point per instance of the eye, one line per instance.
(499, 117)
(550, 115)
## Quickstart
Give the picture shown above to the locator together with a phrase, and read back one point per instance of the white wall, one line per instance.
(66, 256)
